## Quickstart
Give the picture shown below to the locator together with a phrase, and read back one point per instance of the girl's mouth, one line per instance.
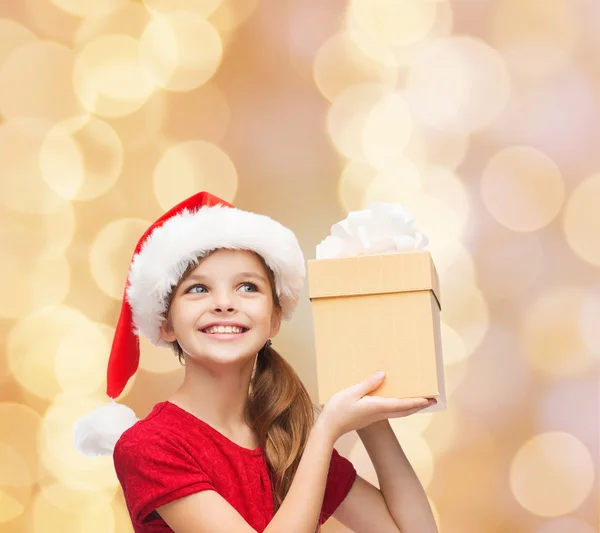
(224, 332)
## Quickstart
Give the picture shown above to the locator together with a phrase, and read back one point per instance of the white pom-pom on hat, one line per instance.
(97, 432)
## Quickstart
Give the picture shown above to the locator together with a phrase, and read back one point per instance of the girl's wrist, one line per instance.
(323, 431)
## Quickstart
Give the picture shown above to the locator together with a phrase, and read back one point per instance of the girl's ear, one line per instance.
(166, 331)
(275, 322)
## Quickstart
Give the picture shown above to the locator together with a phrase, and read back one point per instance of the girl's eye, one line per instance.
(248, 287)
(200, 289)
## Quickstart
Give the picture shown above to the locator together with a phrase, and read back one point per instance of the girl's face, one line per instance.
(223, 310)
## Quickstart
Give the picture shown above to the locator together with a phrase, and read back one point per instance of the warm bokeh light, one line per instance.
(535, 37)
(84, 8)
(181, 50)
(340, 64)
(43, 90)
(394, 22)
(194, 166)
(156, 359)
(551, 334)
(522, 188)
(582, 220)
(354, 180)
(47, 517)
(509, 263)
(34, 343)
(348, 115)
(200, 7)
(22, 187)
(458, 83)
(109, 77)
(28, 285)
(12, 36)
(111, 251)
(81, 158)
(566, 524)
(559, 463)
(387, 131)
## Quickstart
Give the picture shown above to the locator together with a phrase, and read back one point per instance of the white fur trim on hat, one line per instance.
(171, 248)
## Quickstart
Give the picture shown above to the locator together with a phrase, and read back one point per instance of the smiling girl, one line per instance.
(237, 449)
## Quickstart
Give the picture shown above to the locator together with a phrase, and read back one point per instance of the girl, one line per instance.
(236, 448)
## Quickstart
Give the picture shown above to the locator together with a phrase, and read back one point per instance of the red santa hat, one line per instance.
(191, 229)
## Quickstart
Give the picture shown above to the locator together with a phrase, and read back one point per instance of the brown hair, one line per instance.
(279, 408)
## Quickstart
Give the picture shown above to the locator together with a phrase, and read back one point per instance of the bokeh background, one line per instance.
(481, 117)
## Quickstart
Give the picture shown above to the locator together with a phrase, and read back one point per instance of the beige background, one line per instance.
(482, 117)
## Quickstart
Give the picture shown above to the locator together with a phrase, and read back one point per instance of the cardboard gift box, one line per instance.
(378, 312)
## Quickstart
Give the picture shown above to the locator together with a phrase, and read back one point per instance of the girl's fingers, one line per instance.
(393, 405)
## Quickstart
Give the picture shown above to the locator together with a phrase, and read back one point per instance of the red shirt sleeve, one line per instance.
(154, 471)
(340, 479)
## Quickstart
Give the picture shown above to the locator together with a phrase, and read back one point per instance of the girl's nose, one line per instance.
(223, 302)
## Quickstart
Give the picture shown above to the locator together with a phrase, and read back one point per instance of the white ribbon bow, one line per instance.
(383, 228)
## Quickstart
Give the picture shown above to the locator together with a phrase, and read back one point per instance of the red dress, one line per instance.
(171, 454)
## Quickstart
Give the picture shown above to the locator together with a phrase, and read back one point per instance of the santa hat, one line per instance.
(189, 230)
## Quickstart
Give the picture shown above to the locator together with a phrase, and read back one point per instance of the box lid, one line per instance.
(373, 274)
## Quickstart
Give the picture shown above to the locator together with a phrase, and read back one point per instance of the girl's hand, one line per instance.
(351, 409)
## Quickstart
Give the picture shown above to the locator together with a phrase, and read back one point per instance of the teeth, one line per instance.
(224, 329)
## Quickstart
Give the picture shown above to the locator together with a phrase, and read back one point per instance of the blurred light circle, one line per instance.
(66, 495)
(582, 220)
(50, 22)
(22, 187)
(21, 428)
(192, 166)
(44, 89)
(588, 320)
(348, 114)
(111, 252)
(57, 450)
(33, 343)
(200, 7)
(442, 432)
(131, 20)
(109, 77)
(157, 360)
(46, 517)
(566, 524)
(507, 262)
(499, 362)
(428, 145)
(81, 158)
(522, 188)
(353, 182)
(29, 285)
(231, 14)
(560, 464)
(454, 347)
(387, 130)
(394, 22)
(86, 8)
(458, 84)
(466, 312)
(207, 102)
(14, 503)
(14, 470)
(555, 411)
(536, 37)
(181, 50)
(74, 373)
(551, 334)
(340, 64)
(12, 36)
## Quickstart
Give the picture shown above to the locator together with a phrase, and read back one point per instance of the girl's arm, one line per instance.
(401, 496)
(208, 512)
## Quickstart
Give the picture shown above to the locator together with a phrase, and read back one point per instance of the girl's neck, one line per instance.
(218, 396)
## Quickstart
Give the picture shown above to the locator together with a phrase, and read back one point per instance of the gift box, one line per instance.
(375, 298)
